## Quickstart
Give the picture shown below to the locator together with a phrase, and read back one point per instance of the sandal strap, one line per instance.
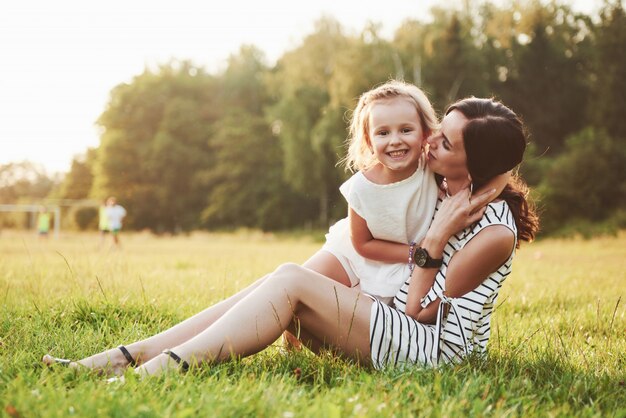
(129, 358)
(183, 364)
(61, 361)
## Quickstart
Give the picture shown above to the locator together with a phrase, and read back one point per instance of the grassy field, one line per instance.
(558, 345)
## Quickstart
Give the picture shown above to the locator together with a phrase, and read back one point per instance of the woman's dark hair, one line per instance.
(495, 140)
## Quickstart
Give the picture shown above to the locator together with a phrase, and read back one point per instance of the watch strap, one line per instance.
(429, 262)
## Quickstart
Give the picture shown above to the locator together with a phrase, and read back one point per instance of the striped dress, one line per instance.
(397, 339)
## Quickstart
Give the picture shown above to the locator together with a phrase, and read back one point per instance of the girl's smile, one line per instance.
(398, 154)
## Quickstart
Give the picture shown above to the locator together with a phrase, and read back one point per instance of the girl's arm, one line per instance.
(375, 249)
(393, 252)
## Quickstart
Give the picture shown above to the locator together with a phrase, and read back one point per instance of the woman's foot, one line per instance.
(49, 361)
(116, 379)
(110, 362)
(164, 362)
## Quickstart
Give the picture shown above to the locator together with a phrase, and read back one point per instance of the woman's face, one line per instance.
(446, 152)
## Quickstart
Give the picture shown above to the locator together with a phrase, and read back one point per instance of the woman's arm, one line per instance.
(471, 265)
(454, 214)
(375, 249)
(480, 257)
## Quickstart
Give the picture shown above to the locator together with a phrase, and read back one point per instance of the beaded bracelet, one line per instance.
(411, 263)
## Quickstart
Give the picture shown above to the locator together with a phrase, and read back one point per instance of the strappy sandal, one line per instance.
(184, 366)
(66, 362)
(129, 358)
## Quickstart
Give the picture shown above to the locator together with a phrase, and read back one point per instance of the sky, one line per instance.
(60, 59)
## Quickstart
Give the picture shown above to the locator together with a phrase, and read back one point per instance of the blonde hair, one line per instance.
(360, 156)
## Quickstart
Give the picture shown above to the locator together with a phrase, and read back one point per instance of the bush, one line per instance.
(86, 218)
(535, 166)
(587, 182)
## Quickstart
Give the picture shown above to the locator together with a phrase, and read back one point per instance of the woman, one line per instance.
(442, 312)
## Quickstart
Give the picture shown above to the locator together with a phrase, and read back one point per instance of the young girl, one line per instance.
(393, 195)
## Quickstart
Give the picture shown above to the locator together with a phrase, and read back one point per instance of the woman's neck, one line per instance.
(455, 186)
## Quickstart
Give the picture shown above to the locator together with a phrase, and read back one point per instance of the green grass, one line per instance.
(558, 345)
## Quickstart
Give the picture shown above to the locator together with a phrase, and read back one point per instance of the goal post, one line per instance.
(34, 210)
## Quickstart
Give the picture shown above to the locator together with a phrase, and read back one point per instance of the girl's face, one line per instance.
(446, 151)
(396, 135)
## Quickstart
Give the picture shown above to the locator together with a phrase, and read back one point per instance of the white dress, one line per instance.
(399, 212)
(396, 339)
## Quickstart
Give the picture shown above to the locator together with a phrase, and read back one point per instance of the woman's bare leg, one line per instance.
(328, 265)
(334, 314)
(148, 348)
(144, 350)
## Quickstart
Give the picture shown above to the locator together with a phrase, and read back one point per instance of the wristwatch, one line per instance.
(424, 260)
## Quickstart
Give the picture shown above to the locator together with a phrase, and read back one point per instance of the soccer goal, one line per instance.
(34, 211)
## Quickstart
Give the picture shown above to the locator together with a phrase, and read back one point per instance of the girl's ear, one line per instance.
(427, 134)
(368, 143)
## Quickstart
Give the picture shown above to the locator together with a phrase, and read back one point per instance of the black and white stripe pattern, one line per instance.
(397, 339)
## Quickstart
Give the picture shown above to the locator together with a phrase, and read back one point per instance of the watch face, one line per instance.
(421, 257)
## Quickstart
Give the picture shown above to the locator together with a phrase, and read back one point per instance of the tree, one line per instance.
(24, 181)
(452, 67)
(246, 186)
(300, 115)
(409, 42)
(77, 185)
(546, 84)
(78, 181)
(366, 61)
(245, 183)
(608, 81)
(156, 134)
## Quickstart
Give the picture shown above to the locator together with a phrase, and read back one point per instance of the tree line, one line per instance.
(258, 145)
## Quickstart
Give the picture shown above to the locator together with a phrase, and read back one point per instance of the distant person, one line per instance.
(114, 215)
(43, 222)
(103, 221)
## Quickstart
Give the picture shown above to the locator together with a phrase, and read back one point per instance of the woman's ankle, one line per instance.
(112, 358)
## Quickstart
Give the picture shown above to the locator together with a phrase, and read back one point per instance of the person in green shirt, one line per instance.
(103, 221)
(43, 222)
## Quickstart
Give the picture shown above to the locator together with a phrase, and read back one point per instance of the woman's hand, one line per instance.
(458, 212)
